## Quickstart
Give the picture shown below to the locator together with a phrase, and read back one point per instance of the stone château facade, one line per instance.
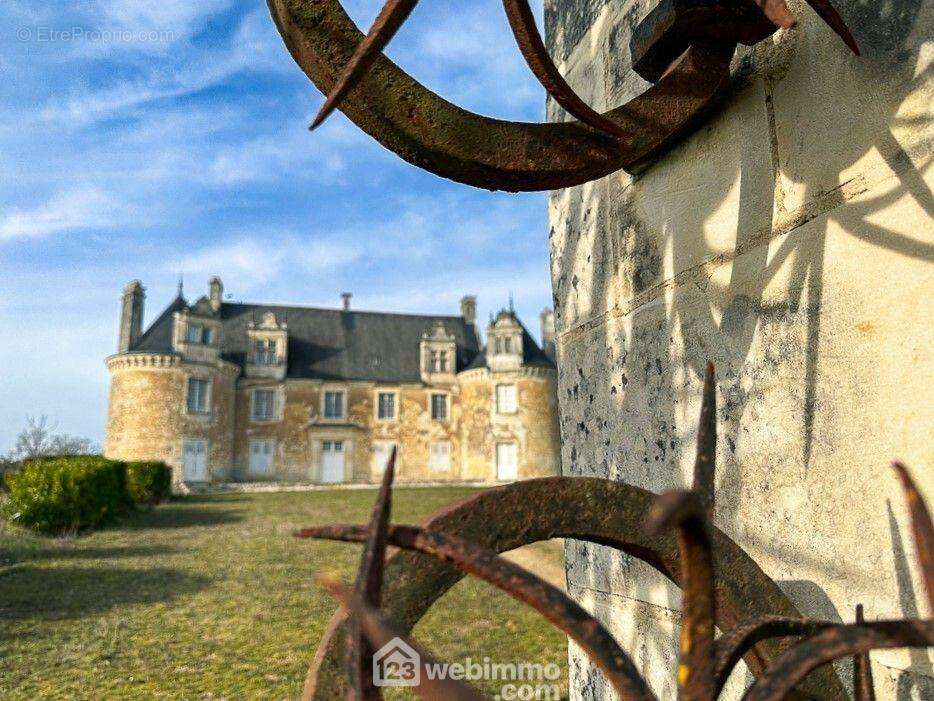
(246, 392)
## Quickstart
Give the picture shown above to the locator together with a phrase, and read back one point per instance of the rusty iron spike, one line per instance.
(831, 644)
(705, 462)
(379, 632)
(735, 643)
(553, 604)
(685, 511)
(863, 687)
(829, 14)
(778, 12)
(922, 530)
(387, 23)
(533, 49)
(368, 587)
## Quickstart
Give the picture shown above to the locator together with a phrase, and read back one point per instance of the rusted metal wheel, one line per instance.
(430, 132)
(594, 510)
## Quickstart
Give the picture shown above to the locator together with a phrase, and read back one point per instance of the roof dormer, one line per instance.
(504, 342)
(196, 334)
(268, 348)
(438, 355)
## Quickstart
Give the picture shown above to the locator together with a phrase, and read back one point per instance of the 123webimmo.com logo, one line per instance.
(396, 664)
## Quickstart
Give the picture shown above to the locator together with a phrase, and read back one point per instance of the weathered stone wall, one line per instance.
(790, 242)
(471, 428)
(146, 417)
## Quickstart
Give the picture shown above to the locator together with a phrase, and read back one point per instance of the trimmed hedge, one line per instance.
(68, 494)
(148, 483)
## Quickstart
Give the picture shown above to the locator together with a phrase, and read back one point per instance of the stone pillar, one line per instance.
(790, 241)
(131, 315)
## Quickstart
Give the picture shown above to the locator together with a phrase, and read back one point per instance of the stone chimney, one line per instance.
(216, 293)
(346, 296)
(131, 315)
(469, 309)
(548, 333)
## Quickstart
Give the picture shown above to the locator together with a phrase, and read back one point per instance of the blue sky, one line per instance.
(142, 139)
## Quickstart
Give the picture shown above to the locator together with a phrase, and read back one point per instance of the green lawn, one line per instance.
(210, 597)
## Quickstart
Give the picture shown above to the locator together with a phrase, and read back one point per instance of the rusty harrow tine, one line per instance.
(778, 12)
(387, 23)
(829, 14)
(863, 687)
(368, 587)
(733, 645)
(835, 642)
(553, 604)
(705, 463)
(922, 529)
(685, 512)
(379, 632)
(533, 49)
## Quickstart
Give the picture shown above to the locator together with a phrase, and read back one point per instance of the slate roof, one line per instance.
(332, 344)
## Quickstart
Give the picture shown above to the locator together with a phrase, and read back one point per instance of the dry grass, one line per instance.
(210, 597)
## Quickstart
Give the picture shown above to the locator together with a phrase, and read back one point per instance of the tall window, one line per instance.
(264, 352)
(200, 334)
(439, 407)
(439, 459)
(198, 395)
(386, 406)
(506, 401)
(334, 405)
(264, 404)
(439, 361)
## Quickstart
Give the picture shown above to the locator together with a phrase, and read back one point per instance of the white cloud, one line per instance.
(249, 261)
(74, 210)
(187, 69)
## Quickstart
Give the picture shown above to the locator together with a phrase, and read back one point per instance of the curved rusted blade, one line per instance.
(685, 512)
(538, 59)
(705, 463)
(863, 687)
(368, 587)
(832, 644)
(922, 529)
(736, 642)
(387, 23)
(554, 605)
(380, 632)
(829, 14)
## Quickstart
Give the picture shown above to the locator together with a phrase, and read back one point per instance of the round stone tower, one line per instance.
(171, 395)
